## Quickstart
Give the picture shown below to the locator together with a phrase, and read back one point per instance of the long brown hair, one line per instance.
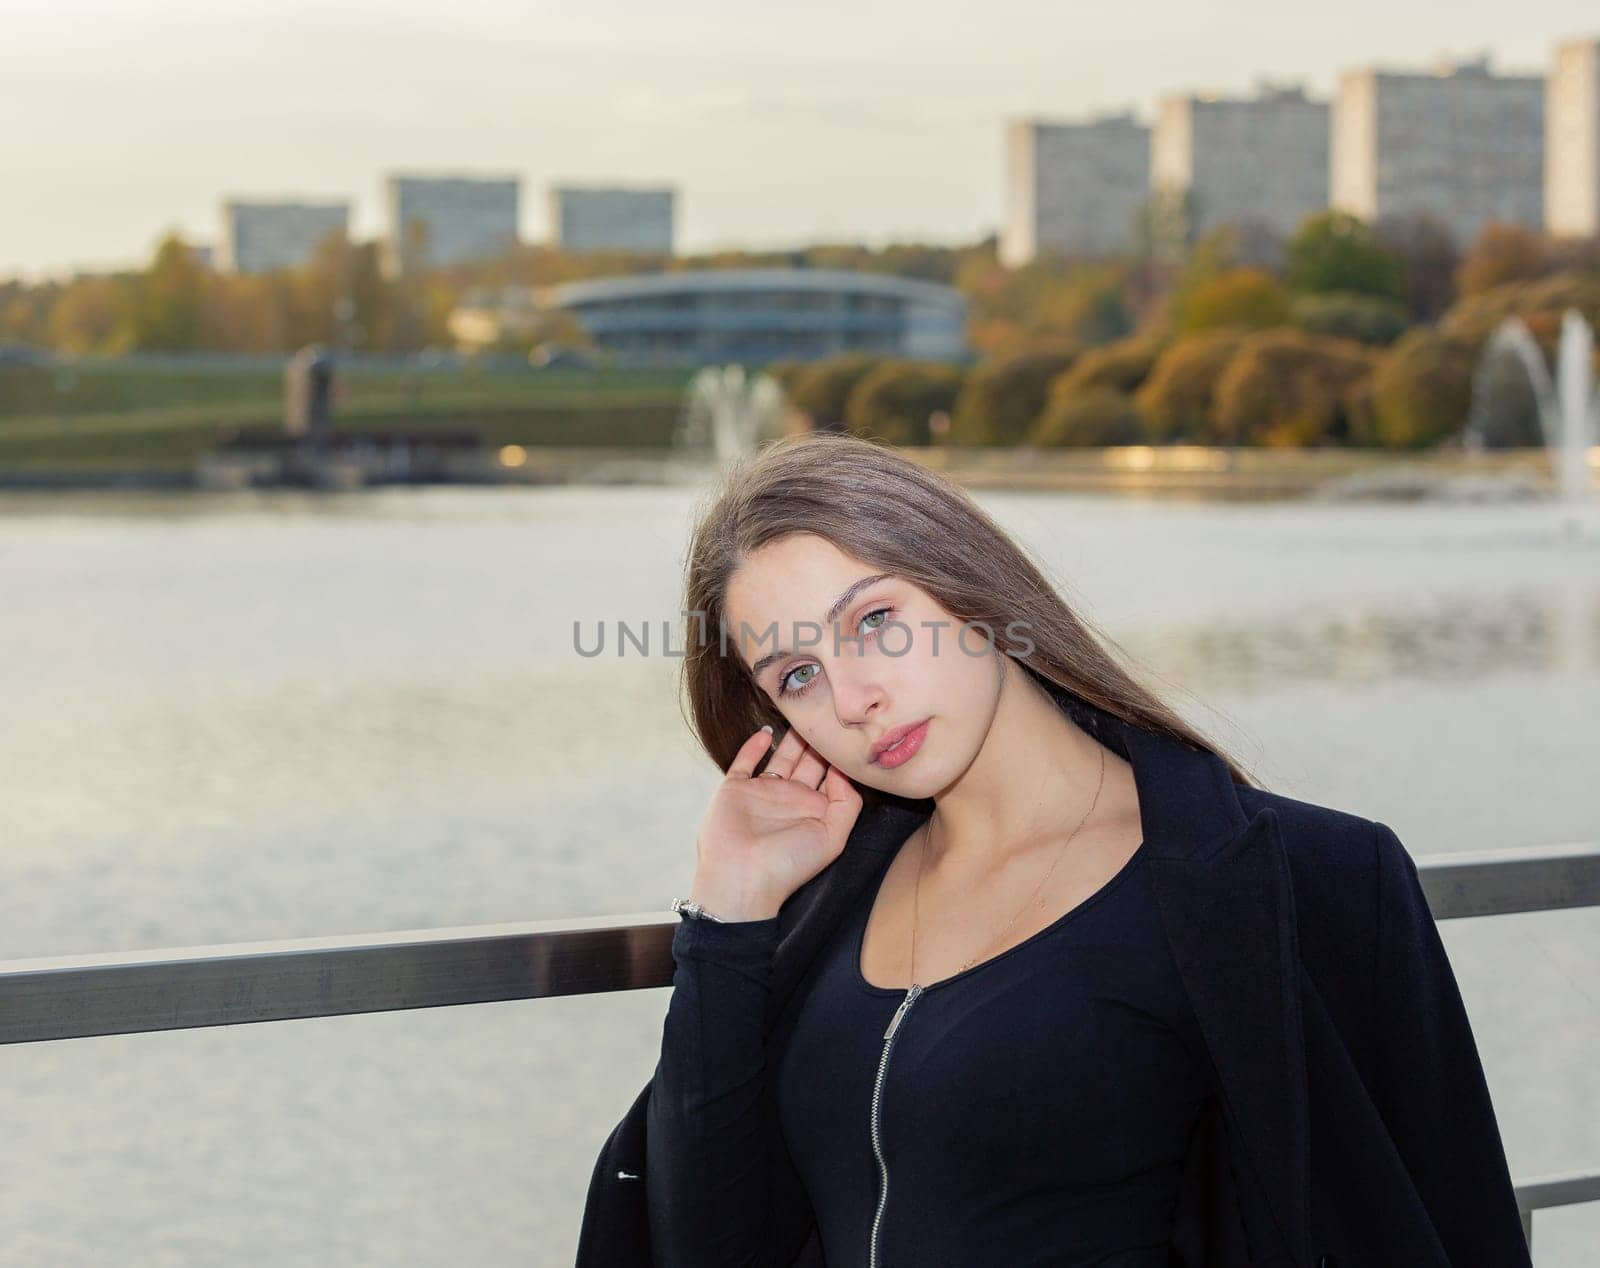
(878, 506)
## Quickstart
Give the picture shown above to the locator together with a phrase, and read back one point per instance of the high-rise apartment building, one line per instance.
(443, 220)
(1261, 160)
(1460, 144)
(1073, 188)
(612, 218)
(1572, 140)
(261, 236)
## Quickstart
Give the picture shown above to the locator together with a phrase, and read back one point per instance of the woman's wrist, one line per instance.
(729, 905)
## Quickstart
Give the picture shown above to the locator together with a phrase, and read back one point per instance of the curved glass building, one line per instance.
(759, 315)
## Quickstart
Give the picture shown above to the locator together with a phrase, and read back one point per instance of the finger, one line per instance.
(744, 761)
(787, 755)
(810, 769)
(844, 801)
(838, 788)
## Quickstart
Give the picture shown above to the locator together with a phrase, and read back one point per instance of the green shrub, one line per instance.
(1336, 252)
(1093, 417)
(822, 390)
(1176, 398)
(1239, 297)
(1539, 303)
(1422, 389)
(1286, 389)
(786, 373)
(1502, 253)
(1347, 315)
(1123, 365)
(1000, 400)
(894, 401)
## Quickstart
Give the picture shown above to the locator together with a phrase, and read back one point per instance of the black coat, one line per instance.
(1354, 1126)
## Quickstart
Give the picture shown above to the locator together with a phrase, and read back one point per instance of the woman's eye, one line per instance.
(785, 690)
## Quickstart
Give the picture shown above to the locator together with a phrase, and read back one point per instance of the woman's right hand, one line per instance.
(762, 838)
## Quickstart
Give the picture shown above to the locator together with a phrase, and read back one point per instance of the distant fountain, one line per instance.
(730, 412)
(1569, 411)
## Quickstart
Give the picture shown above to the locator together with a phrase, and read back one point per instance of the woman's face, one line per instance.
(851, 657)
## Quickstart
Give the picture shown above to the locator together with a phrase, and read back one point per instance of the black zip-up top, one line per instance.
(1033, 1109)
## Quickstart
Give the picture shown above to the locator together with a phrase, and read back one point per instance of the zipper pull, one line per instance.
(911, 997)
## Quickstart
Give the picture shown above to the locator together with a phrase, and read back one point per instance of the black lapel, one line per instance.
(1229, 922)
(1222, 882)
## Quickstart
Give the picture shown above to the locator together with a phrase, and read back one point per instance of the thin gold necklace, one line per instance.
(917, 889)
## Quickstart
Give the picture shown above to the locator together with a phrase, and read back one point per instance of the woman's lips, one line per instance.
(903, 751)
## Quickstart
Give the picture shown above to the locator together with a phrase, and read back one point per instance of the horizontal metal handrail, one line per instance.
(124, 992)
(1505, 882)
(1540, 1193)
(177, 988)
(128, 992)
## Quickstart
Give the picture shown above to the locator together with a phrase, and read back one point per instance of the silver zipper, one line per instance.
(877, 1143)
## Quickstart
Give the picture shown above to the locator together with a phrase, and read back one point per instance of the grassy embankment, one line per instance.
(121, 415)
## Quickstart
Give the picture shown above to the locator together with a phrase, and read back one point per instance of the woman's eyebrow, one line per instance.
(839, 605)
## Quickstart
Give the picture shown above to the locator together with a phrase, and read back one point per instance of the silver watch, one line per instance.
(688, 907)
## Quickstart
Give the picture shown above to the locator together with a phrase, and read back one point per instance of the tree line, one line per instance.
(1344, 333)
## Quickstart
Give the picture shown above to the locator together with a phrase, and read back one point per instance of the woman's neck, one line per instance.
(1033, 779)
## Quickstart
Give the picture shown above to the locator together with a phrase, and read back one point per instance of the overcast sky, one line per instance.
(869, 120)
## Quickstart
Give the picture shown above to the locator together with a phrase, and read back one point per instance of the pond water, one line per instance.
(251, 716)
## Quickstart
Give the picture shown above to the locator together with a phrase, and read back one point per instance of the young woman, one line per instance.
(996, 961)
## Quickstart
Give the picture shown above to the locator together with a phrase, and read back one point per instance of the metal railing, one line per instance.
(75, 997)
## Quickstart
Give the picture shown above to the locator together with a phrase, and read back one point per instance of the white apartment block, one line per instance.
(612, 218)
(1262, 159)
(1073, 188)
(1459, 143)
(263, 236)
(443, 220)
(1572, 140)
